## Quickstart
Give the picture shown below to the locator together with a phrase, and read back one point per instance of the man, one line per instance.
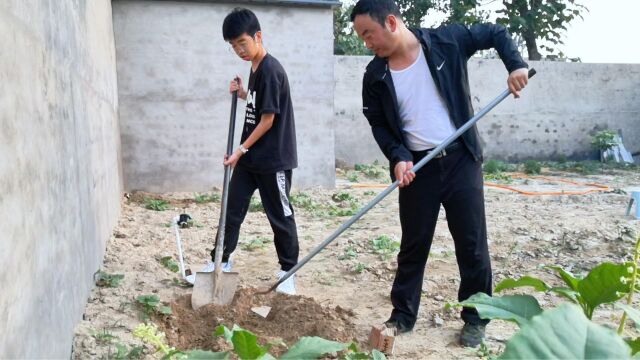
(267, 152)
(416, 94)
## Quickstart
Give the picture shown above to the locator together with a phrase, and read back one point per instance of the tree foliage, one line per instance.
(540, 24)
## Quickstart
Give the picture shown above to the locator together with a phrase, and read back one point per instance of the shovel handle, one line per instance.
(225, 187)
(393, 186)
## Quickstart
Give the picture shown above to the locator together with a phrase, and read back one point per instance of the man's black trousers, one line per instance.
(456, 182)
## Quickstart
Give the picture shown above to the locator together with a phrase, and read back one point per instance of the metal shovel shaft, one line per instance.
(438, 149)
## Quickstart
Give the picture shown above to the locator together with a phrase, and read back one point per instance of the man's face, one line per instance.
(246, 46)
(377, 38)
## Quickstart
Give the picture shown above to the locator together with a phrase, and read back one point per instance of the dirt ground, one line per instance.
(345, 289)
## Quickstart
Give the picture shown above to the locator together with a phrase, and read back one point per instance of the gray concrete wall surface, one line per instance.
(174, 70)
(60, 180)
(560, 110)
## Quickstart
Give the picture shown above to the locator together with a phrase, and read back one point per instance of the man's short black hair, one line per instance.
(240, 21)
(378, 10)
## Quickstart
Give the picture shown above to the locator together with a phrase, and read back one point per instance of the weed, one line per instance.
(156, 204)
(255, 244)
(349, 253)
(532, 167)
(495, 167)
(104, 337)
(206, 198)
(123, 353)
(169, 263)
(369, 193)
(385, 246)
(304, 201)
(255, 205)
(109, 280)
(360, 268)
(373, 171)
(353, 177)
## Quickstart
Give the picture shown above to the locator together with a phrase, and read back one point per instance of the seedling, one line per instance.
(169, 263)
(360, 268)
(151, 305)
(349, 253)
(109, 280)
(104, 337)
(385, 246)
(156, 204)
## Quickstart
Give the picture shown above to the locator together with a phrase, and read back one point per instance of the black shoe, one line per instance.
(472, 335)
(400, 327)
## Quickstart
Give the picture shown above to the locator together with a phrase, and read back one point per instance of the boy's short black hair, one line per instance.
(378, 10)
(238, 22)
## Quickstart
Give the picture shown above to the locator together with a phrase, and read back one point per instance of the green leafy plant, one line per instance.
(353, 176)
(532, 167)
(156, 204)
(385, 246)
(206, 198)
(151, 304)
(245, 345)
(604, 140)
(345, 204)
(495, 167)
(108, 280)
(150, 334)
(567, 330)
(169, 263)
(304, 201)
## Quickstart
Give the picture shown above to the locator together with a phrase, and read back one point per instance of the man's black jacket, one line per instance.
(447, 50)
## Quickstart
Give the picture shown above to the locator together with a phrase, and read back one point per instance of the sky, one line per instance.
(606, 35)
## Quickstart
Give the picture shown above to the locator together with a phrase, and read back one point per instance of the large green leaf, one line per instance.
(571, 280)
(313, 348)
(634, 344)
(565, 333)
(567, 293)
(509, 283)
(207, 355)
(517, 308)
(245, 344)
(606, 283)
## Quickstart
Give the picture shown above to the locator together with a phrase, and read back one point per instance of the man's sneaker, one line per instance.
(400, 327)
(472, 335)
(288, 286)
(210, 267)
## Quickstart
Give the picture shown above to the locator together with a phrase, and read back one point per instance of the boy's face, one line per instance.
(246, 46)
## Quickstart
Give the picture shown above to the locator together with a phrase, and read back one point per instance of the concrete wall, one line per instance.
(174, 70)
(59, 167)
(563, 106)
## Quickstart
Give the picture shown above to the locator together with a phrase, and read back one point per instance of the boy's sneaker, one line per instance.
(472, 335)
(288, 286)
(210, 267)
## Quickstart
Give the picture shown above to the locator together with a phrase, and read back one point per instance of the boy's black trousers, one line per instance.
(456, 182)
(274, 191)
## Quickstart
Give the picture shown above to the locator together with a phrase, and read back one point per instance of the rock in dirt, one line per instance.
(261, 310)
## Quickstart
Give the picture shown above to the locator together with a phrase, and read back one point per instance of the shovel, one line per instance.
(219, 287)
(392, 187)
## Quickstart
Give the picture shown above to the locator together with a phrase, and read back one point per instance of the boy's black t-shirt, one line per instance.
(268, 93)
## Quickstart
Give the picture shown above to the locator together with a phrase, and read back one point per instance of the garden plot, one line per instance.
(349, 282)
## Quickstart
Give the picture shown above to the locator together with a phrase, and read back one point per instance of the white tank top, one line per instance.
(424, 116)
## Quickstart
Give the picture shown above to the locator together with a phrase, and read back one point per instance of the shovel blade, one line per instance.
(209, 290)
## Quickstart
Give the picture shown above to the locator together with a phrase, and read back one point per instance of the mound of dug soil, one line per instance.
(290, 318)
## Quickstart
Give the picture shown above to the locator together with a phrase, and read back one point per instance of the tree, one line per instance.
(463, 12)
(345, 40)
(539, 19)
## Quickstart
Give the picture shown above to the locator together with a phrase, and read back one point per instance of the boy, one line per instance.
(267, 152)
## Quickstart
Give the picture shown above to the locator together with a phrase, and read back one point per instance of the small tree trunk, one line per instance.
(532, 47)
